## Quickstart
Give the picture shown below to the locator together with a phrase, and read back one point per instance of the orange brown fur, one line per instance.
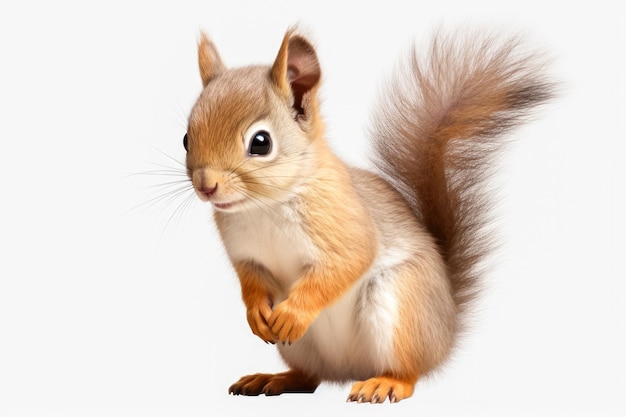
(378, 389)
(256, 296)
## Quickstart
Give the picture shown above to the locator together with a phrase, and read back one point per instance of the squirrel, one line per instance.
(354, 274)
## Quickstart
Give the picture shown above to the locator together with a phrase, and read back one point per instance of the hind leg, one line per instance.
(292, 381)
(378, 389)
(423, 329)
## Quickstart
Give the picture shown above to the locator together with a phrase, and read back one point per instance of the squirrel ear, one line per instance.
(296, 70)
(209, 60)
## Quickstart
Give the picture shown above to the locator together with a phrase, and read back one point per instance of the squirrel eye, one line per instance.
(261, 143)
(185, 144)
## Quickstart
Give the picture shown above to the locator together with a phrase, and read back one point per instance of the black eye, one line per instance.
(185, 143)
(261, 143)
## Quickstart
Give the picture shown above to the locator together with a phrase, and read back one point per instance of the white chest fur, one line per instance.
(273, 238)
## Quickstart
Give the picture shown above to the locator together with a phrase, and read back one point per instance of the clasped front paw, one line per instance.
(288, 323)
(258, 317)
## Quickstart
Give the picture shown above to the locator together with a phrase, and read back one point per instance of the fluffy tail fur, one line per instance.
(442, 122)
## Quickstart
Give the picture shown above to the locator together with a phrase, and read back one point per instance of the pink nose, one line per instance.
(208, 191)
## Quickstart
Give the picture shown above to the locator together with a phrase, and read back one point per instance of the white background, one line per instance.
(106, 310)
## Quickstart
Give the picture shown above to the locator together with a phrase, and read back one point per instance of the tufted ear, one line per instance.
(296, 70)
(209, 60)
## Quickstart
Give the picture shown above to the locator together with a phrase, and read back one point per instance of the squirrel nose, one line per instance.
(208, 191)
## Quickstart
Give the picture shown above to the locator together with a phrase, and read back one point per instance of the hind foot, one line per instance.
(377, 390)
(274, 384)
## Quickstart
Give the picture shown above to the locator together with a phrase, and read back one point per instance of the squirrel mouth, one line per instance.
(227, 206)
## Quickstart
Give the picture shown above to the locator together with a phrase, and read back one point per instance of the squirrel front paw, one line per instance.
(289, 323)
(258, 317)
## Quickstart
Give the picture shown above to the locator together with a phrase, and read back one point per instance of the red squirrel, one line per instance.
(357, 275)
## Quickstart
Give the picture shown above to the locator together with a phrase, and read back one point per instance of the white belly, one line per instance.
(353, 338)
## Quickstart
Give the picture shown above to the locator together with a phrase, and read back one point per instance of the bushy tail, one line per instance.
(442, 122)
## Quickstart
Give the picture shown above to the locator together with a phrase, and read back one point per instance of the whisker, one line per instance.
(182, 114)
(159, 172)
(175, 168)
(162, 165)
(264, 207)
(264, 195)
(234, 170)
(178, 213)
(266, 185)
(174, 194)
(277, 176)
(259, 203)
(167, 196)
(169, 156)
(170, 183)
(273, 164)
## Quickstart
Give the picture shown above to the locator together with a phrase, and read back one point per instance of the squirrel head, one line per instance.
(251, 134)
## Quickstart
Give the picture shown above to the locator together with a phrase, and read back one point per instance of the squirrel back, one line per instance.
(438, 131)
